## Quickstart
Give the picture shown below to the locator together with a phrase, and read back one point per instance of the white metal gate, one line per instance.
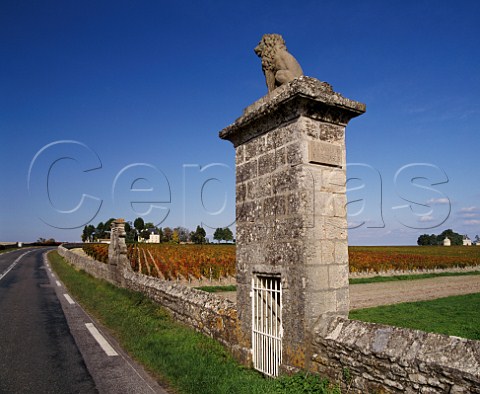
(267, 331)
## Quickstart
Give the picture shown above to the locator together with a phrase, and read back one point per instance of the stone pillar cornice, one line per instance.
(304, 96)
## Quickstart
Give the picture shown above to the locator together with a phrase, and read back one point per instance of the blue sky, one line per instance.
(99, 98)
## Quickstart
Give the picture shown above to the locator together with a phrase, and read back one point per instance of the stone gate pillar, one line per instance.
(291, 207)
(117, 252)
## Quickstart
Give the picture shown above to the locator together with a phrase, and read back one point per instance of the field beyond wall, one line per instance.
(213, 261)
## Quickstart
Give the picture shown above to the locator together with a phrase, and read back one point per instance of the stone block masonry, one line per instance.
(388, 359)
(292, 232)
(380, 359)
(291, 215)
(205, 312)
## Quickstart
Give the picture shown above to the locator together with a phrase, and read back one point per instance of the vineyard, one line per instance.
(98, 251)
(188, 262)
(172, 262)
(411, 258)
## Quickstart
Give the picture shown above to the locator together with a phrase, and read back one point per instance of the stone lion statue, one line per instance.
(278, 65)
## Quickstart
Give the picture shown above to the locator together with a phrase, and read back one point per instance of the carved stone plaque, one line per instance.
(325, 153)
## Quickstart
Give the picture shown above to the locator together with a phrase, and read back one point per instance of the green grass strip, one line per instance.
(217, 289)
(377, 279)
(186, 360)
(457, 315)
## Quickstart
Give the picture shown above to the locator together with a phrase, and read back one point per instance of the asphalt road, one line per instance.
(48, 344)
(37, 352)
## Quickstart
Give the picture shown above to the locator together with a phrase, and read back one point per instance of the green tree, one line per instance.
(167, 234)
(455, 238)
(198, 236)
(227, 234)
(130, 233)
(145, 234)
(426, 240)
(139, 224)
(175, 237)
(88, 233)
(223, 234)
(432, 239)
(108, 227)
(183, 234)
(84, 234)
(150, 225)
(218, 235)
(100, 231)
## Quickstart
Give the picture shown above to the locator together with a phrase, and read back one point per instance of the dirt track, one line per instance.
(374, 294)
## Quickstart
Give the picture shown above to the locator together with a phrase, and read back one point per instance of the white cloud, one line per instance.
(468, 209)
(471, 222)
(443, 200)
(470, 215)
(426, 219)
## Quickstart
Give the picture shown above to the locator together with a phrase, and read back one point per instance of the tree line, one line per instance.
(139, 231)
(432, 239)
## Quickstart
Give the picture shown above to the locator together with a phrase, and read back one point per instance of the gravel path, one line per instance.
(375, 294)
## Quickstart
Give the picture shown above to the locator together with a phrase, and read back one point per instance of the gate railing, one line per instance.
(267, 331)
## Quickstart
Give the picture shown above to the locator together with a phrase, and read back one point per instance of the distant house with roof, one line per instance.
(154, 237)
(447, 242)
(467, 241)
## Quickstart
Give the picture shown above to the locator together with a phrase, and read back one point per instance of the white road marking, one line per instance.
(2, 275)
(69, 299)
(58, 283)
(101, 340)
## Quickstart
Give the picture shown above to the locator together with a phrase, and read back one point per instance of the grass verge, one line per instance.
(217, 289)
(8, 250)
(457, 315)
(186, 360)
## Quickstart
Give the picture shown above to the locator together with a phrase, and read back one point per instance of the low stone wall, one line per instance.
(379, 358)
(205, 312)
(89, 265)
(382, 358)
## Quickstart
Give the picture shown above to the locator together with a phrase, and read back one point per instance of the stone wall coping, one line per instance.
(303, 87)
(399, 359)
(413, 352)
(194, 296)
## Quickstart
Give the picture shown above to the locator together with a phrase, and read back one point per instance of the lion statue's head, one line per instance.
(268, 47)
(278, 65)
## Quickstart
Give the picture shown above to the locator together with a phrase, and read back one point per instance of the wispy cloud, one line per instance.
(471, 222)
(443, 200)
(426, 219)
(469, 209)
(470, 215)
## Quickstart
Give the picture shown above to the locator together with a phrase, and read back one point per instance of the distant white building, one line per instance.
(467, 241)
(154, 237)
(447, 242)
